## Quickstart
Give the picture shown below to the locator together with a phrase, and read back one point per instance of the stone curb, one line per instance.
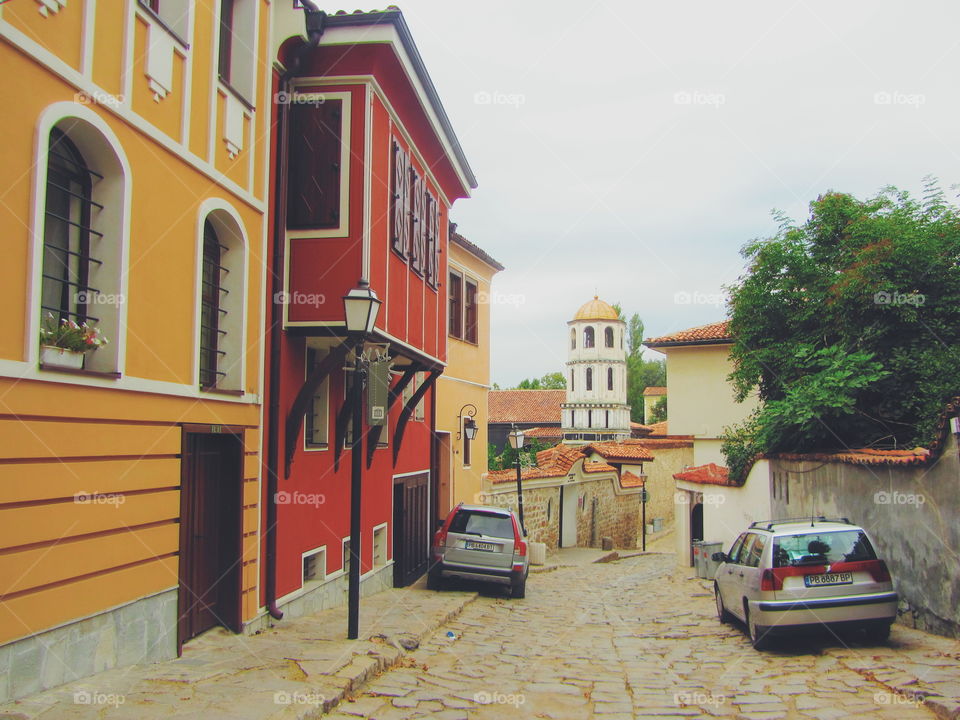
(382, 654)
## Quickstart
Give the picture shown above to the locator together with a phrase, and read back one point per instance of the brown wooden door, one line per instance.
(411, 528)
(210, 534)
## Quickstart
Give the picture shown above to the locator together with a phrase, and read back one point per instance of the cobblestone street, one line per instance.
(637, 638)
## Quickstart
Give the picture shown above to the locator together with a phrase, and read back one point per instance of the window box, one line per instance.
(52, 356)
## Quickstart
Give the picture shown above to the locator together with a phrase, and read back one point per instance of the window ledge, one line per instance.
(221, 391)
(145, 9)
(81, 371)
(236, 93)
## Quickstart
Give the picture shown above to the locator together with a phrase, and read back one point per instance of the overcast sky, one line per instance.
(631, 148)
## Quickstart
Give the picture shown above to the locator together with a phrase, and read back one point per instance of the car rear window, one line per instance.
(475, 522)
(820, 548)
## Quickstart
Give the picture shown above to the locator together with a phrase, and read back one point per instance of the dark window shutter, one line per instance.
(313, 179)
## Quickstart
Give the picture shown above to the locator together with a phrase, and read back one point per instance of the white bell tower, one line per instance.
(596, 407)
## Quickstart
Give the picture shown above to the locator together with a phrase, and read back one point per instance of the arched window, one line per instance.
(608, 337)
(222, 269)
(572, 385)
(573, 339)
(82, 241)
(588, 336)
(589, 379)
(609, 378)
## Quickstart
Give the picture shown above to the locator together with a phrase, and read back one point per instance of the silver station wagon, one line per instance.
(480, 542)
(795, 574)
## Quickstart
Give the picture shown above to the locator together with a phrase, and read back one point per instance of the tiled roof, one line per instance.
(714, 333)
(659, 428)
(551, 463)
(626, 450)
(471, 248)
(543, 433)
(864, 456)
(666, 443)
(654, 390)
(525, 406)
(709, 474)
(629, 480)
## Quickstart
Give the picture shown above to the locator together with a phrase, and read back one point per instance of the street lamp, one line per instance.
(468, 424)
(516, 442)
(360, 308)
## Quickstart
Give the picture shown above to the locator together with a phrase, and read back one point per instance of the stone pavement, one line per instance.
(296, 669)
(638, 638)
(633, 637)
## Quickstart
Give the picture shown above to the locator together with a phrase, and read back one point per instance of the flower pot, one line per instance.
(58, 357)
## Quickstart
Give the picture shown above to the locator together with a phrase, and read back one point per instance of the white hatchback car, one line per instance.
(789, 574)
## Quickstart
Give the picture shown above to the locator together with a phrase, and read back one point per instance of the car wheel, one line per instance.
(722, 613)
(878, 633)
(434, 580)
(518, 588)
(759, 637)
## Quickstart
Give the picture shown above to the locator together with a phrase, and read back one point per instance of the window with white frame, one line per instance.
(222, 267)
(236, 62)
(317, 418)
(380, 546)
(174, 15)
(347, 556)
(82, 237)
(315, 565)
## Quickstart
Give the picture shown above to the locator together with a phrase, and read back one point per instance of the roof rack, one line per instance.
(768, 524)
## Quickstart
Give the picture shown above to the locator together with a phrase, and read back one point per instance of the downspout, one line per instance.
(315, 22)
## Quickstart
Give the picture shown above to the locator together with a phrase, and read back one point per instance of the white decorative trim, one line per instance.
(123, 109)
(367, 181)
(50, 6)
(233, 115)
(159, 64)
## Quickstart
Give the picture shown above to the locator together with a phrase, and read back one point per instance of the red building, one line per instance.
(367, 167)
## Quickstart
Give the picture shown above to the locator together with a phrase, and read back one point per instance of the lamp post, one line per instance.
(516, 442)
(360, 307)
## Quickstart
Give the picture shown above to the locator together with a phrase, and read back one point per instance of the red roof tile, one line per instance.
(659, 428)
(709, 474)
(864, 456)
(714, 333)
(629, 480)
(525, 406)
(551, 463)
(544, 433)
(654, 391)
(626, 450)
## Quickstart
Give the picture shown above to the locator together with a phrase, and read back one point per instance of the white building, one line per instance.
(596, 407)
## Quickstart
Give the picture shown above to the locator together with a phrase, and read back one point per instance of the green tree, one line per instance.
(508, 457)
(549, 381)
(658, 413)
(848, 326)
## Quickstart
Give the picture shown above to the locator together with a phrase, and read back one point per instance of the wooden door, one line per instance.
(411, 528)
(210, 534)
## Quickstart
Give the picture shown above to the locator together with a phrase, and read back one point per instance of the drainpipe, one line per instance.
(315, 22)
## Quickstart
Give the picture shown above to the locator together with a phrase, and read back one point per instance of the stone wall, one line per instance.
(616, 516)
(912, 514)
(139, 632)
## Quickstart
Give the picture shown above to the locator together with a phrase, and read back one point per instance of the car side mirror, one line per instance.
(719, 557)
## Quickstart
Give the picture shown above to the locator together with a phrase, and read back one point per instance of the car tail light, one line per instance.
(879, 570)
(770, 581)
(440, 539)
(520, 548)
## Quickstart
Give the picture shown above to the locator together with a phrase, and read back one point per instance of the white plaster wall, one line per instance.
(728, 511)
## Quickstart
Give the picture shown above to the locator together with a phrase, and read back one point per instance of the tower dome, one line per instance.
(596, 309)
(596, 405)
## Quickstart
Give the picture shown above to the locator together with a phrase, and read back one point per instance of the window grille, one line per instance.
(212, 313)
(69, 241)
(317, 417)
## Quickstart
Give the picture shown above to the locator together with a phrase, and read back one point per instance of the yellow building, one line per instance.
(134, 198)
(463, 387)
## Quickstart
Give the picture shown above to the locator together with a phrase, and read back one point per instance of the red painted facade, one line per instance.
(385, 103)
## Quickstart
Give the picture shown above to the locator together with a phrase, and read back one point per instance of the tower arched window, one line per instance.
(608, 337)
(610, 378)
(572, 386)
(589, 379)
(573, 339)
(588, 337)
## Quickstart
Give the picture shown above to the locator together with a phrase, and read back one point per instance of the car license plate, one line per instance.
(828, 579)
(476, 545)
